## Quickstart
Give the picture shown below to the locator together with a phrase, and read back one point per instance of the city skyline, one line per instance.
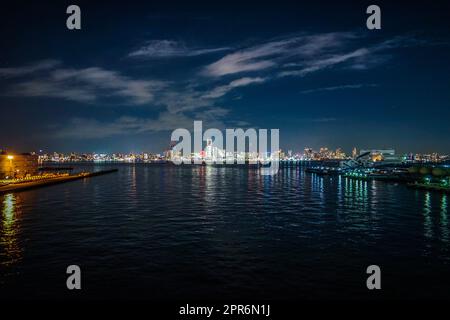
(125, 82)
(307, 154)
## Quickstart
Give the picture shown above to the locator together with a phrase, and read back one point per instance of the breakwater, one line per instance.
(22, 186)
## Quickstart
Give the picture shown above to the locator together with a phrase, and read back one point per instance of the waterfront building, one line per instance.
(431, 157)
(384, 155)
(16, 166)
(339, 154)
(308, 154)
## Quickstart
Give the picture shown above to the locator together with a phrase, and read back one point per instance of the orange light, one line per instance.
(10, 157)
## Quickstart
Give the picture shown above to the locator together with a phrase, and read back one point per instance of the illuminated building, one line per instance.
(213, 153)
(18, 165)
(339, 154)
(385, 155)
(308, 154)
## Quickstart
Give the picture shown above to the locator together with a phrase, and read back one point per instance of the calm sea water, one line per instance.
(165, 232)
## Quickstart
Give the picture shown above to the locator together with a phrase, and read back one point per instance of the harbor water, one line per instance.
(158, 231)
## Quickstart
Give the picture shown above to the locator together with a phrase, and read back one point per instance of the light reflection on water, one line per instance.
(11, 251)
(222, 223)
(427, 212)
(444, 219)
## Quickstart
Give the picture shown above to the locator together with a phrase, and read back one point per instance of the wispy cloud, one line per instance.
(29, 69)
(270, 54)
(358, 59)
(341, 87)
(297, 55)
(223, 90)
(182, 102)
(84, 85)
(304, 54)
(90, 128)
(323, 63)
(199, 95)
(170, 48)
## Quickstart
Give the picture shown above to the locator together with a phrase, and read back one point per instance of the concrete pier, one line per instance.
(21, 186)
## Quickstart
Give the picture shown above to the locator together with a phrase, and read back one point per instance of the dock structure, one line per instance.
(429, 187)
(22, 186)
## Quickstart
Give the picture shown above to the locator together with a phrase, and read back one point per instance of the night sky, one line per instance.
(139, 69)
